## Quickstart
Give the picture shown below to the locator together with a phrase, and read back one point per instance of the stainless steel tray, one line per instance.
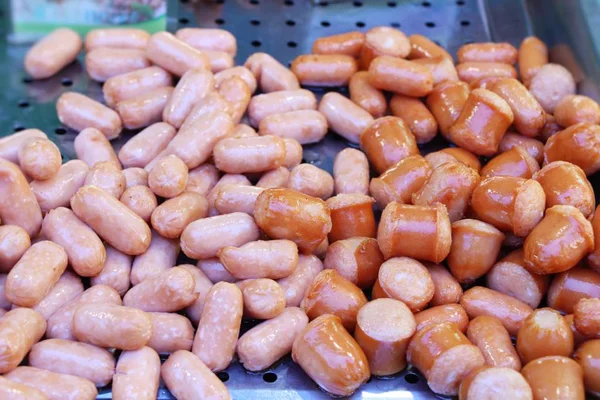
(285, 29)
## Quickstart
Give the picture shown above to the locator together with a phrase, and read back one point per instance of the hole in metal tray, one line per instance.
(256, 43)
(66, 82)
(270, 377)
(325, 23)
(255, 22)
(360, 24)
(23, 104)
(219, 21)
(60, 131)
(411, 378)
(223, 376)
(290, 22)
(18, 127)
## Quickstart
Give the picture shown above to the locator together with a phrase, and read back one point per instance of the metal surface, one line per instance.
(285, 29)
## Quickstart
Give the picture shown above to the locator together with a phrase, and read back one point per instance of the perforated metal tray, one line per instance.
(285, 29)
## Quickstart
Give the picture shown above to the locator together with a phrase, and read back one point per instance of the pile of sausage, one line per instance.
(286, 242)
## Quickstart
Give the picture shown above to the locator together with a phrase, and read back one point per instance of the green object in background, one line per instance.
(31, 19)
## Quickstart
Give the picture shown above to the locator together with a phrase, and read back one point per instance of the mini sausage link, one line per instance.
(276, 178)
(441, 68)
(422, 47)
(533, 54)
(170, 332)
(5, 304)
(494, 383)
(447, 290)
(444, 355)
(116, 271)
(297, 283)
(483, 301)
(39, 159)
(241, 72)
(551, 377)
(421, 232)
(544, 333)
(160, 256)
(350, 44)
(238, 94)
(488, 333)
(474, 70)
(110, 325)
(550, 84)
(190, 89)
(487, 82)
(529, 116)
(263, 105)
(351, 172)
(586, 316)
(534, 147)
(243, 130)
(20, 329)
(215, 271)
(232, 198)
(574, 109)
(243, 155)
(171, 217)
(103, 63)
(487, 52)
(133, 84)
(202, 286)
(219, 60)
(106, 176)
(514, 162)
(399, 182)
(351, 216)
(79, 112)
(509, 203)
(19, 391)
(52, 53)
(511, 277)
(14, 242)
(271, 75)
(578, 144)
(92, 147)
(306, 126)
(168, 291)
(67, 288)
(400, 76)
(227, 179)
(420, 121)
(445, 313)
(587, 355)
(391, 282)
(187, 377)
(357, 259)
(209, 39)
(293, 153)
(145, 110)
(11, 144)
(287, 214)
(18, 204)
(54, 385)
(202, 179)
(446, 102)
(135, 177)
(593, 259)
(140, 200)
(330, 356)
(324, 69)
(250, 261)
(174, 55)
(120, 38)
(344, 117)
(383, 41)
(168, 178)
(263, 298)
(569, 287)
(137, 375)
(366, 96)
(311, 180)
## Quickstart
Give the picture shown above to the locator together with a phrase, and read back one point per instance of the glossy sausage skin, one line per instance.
(344, 117)
(160, 256)
(144, 110)
(487, 51)
(533, 54)
(120, 38)
(79, 112)
(170, 332)
(383, 41)
(52, 53)
(445, 313)
(551, 377)
(400, 76)
(351, 172)
(393, 278)
(19, 391)
(20, 329)
(92, 147)
(365, 95)
(593, 258)
(568, 287)
(137, 375)
(357, 259)
(578, 144)
(250, 261)
(103, 63)
(421, 122)
(174, 55)
(488, 333)
(324, 69)
(446, 102)
(14, 241)
(116, 271)
(134, 84)
(171, 217)
(11, 144)
(544, 333)
(351, 216)
(297, 283)
(587, 355)
(447, 290)
(350, 44)
(586, 316)
(56, 386)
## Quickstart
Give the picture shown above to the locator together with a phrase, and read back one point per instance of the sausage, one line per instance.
(351, 216)
(552, 376)
(60, 323)
(244, 73)
(324, 69)
(391, 278)
(102, 212)
(11, 144)
(73, 358)
(170, 332)
(365, 95)
(92, 147)
(105, 175)
(111, 325)
(383, 329)
(18, 391)
(529, 116)
(55, 386)
(550, 85)
(488, 52)
(357, 259)
(202, 286)
(488, 333)
(146, 145)
(349, 44)
(263, 298)
(119, 38)
(52, 53)
(134, 84)
(14, 242)
(39, 158)
(174, 55)
(159, 257)
(444, 355)
(568, 287)
(331, 293)
(79, 112)
(214, 270)
(441, 68)
(487, 82)
(383, 41)
(220, 323)
(137, 375)
(254, 154)
(446, 102)
(276, 178)
(330, 356)
(514, 162)
(586, 316)
(35, 273)
(263, 345)
(270, 74)
(287, 214)
(421, 232)
(483, 301)
(493, 382)
(209, 104)
(422, 47)
(227, 179)
(18, 204)
(311, 180)
(533, 55)
(5, 304)
(116, 271)
(169, 291)
(420, 121)
(187, 377)
(475, 248)
(344, 117)
(140, 200)
(445, 313)
(297, 283)
(509, 203)
(587, 356)
(235, 91)
(306, 126)
(400, 76)
(447, 290)
(219, 60)
(550, 129)
(250, 261)
(67, 288)
(174, 215)
(103, 63)
(544, 333)
(144, 110)
(593, 259)
(578, 144)
(387, 141)
(168, 177)
(202, 179)
(510, 276)
(534, 147)
(263, 105)
(561, 239)
(20, 329)
(209, 39)
(351, 172)
(399, 182)
(135, 177)
(472, 71)
(232, 198)
(450, 184)
(194, 143)
(573, 109)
